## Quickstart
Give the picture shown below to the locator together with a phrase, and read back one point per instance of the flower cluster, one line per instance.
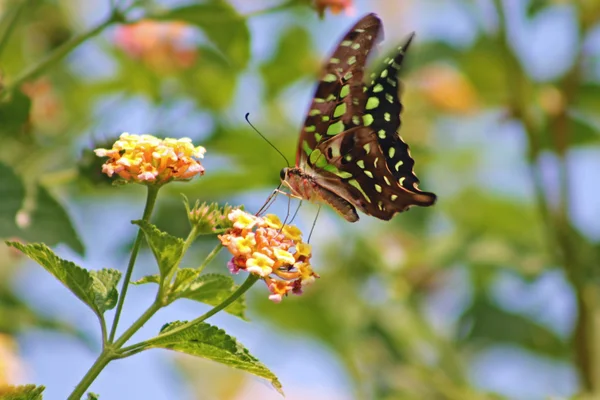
(149, 160)
(209, 218)
(162, 46)
(265, 247)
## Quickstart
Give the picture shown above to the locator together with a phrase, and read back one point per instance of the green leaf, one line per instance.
(292, 60)
(211, 289)
(481, 64)
(223, 26)
(105, 288)
(213, 82)
(534, 7)
(489, 324)
(47, 220)
(12, 193)
(97, 289)
(92, 396)
(167, 249)
(207, 341)
(14, 113)
(23, 392)
(147, 279)
(50, 223)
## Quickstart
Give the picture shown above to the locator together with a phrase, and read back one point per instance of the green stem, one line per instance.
(150, 202)
(136, 348)
(137, 325)
(109, 353)
(210, 257)
(60, 53)
(166, 282)
(89, 377)
(11, 19)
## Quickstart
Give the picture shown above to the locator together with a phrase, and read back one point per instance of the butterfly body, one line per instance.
(350, 154)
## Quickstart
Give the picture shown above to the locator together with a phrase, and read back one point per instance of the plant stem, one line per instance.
(60, 53)
(166, 282)
(109, 352)
(210, 257)
(150, 202)
(136, 348)
(89, 377)
(11, 18)
(559, 229)
(137, 325)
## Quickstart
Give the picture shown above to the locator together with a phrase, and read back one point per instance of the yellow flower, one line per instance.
(303, 249)
(307, 275)
(292, 232)
(147, 159)
(242, 220)
(259, 264)
(244, 245)
(272, 221)
(285, 257)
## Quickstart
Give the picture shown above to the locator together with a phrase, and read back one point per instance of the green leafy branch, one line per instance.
(98, 290)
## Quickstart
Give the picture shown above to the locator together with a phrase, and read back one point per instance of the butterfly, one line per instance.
(350, 154)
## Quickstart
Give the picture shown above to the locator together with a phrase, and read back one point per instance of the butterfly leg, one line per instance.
(314, 224)
(269, 201)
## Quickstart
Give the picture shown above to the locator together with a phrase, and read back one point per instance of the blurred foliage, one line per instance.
(372, 307)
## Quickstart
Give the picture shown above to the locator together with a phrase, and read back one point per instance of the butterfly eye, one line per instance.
(283, 174)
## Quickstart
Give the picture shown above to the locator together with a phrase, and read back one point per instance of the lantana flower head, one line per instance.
(165, 47)
(149, 160)
(265, 247)
(209, 218)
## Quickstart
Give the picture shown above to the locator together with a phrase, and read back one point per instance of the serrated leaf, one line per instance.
(147, 279)
(23, 392)
(221, 23)
(207, 341)
(97, 289)
(167, 249)
(211, 289)
(105, 288)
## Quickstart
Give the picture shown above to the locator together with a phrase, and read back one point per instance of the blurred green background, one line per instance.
(490, 294)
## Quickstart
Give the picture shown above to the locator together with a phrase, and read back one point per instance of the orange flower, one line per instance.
(275, 252)
(149, 160)
(336, 6)
(447, 89)
(162, 46)
(46, 105)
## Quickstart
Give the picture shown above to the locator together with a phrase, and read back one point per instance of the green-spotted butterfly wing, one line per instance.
(341, 81)
(350, 153)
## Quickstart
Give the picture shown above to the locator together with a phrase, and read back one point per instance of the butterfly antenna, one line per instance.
(267, 140)
(313, 225)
